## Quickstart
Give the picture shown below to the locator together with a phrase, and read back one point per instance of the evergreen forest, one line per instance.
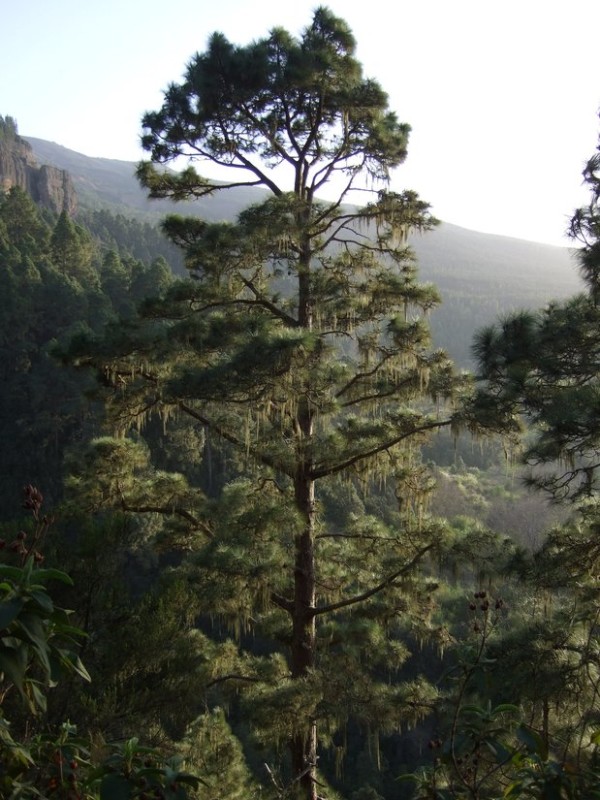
(260, 537)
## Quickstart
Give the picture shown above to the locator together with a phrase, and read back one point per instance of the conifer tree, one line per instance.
(543, 366)
(26, 231)
(301, 344)
(72, 250)
(540, 375)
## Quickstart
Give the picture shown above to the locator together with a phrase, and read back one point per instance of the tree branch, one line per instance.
(168, 511)
(262, 458)
(282, 602)
(231, 677)
(333, 470)
(359, 598)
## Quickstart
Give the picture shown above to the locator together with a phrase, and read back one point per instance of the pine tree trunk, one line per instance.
(303, 650)
(304, 744)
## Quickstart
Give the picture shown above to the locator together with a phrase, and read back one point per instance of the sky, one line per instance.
(502, 97)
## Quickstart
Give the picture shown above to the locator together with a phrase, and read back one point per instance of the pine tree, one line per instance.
(543, 366)
(25, 229)
(116, 281)
(301, 345)
(540, 382)
(72, 251)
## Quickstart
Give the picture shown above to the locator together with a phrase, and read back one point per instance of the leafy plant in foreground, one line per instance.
(37, 647)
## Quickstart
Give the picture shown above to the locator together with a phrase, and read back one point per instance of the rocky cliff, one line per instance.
(49, 186)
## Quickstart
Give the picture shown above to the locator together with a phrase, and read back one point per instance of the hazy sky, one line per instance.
(502, 96)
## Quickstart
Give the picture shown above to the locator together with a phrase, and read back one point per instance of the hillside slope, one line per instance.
(479, 275)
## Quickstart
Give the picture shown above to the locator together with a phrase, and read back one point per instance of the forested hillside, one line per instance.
(260, 537)
(58, 277)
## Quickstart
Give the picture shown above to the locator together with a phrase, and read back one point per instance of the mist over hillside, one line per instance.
(480, 276)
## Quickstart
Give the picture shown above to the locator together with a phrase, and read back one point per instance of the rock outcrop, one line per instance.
(49, 186)
(55, 189)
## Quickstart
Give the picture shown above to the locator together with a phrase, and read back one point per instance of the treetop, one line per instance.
(281, 100)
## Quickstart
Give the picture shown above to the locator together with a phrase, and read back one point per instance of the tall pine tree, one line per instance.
(301, 345)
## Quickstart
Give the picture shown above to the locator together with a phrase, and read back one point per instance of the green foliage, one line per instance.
(66, 765)
(271, 77)
(545, 365)
(520, 712)
(585, 228)
(130, 770)
(486, 747)
(132, 239)
(36, 636)
(217, 755)
(71, 250)
(38, 647)
(28, 616)
(26, 233)
(51, 271)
